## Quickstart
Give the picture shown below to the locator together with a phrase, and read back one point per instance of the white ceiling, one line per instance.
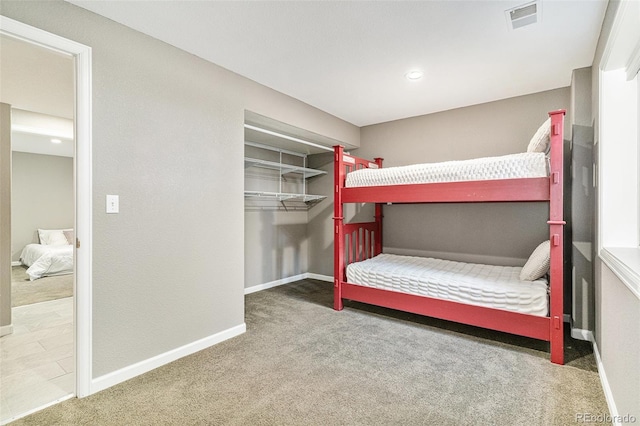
(349, 58)
(36, 79)
(35, 133)
(38, 83)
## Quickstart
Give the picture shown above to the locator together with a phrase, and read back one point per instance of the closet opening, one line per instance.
(287, 187)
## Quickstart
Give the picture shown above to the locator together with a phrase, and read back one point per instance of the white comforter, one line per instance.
(47, 260)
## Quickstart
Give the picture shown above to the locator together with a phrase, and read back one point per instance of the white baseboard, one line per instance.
(16, 263)
(275, 283)
(119, 376)
(287, 280)
(608, 395)
(580, 334)
(319, 277)
(6, 329)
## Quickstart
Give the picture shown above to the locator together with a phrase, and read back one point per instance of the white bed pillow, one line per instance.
(538, 263)
(68, 234)
(52, 237)
(541, 139)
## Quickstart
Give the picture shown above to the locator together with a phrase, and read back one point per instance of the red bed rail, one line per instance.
(360, 241)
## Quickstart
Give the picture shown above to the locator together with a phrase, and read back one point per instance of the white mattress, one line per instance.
(513, 166)
(483, 285)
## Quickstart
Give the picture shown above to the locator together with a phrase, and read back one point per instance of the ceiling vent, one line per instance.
(523, 15)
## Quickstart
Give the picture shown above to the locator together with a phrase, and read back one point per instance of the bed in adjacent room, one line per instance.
(53, 256)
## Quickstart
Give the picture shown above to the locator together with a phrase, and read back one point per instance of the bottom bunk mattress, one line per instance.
(490, 286)
(47, 260)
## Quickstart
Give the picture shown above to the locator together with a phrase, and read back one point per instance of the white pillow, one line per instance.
(542, 138)
(68, 234)
(52, 237)
(538, 263)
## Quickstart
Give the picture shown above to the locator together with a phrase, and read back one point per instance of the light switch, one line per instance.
(113, 204)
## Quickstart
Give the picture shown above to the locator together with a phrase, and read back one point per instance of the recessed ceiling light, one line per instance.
(56, 141)
(414, 75)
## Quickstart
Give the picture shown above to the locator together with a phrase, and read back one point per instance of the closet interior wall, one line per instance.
(276, 245)
(279, 196)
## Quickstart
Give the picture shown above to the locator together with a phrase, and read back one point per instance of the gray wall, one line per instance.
(276, 245)
(468, 232)
(168, 138)
(5, 215)
(42, 197)
(320, 229)
(617, 309)
(582, 201)
(581, 80)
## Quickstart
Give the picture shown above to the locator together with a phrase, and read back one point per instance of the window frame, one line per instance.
(618, 148)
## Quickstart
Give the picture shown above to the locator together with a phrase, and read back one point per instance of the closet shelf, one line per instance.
(282, 167)
(282, 196)
(284, 175)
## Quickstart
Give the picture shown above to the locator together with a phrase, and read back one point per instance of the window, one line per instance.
(618, 148)
(619, 160)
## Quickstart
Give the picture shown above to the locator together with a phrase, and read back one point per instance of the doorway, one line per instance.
(78, 307)
(38, 365)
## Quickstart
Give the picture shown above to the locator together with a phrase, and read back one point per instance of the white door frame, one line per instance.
(83, 187)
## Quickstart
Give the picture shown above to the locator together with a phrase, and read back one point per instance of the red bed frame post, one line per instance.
(378, 219)
(556, 232)
(338, 232)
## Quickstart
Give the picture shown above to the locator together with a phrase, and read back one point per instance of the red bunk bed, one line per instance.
(357, 242)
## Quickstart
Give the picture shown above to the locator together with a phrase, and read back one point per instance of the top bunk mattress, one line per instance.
(490, 286)
(513, 166)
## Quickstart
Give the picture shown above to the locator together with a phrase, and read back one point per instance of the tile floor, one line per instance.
(36, 361)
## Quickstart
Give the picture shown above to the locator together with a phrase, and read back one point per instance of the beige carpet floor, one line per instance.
(26, 292)
(302, 363)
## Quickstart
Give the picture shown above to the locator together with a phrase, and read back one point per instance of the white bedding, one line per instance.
(483, 285)
(44, 260)
(513, 166)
